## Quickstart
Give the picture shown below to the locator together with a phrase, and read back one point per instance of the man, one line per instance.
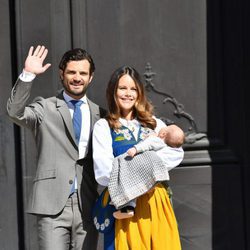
(64, 188)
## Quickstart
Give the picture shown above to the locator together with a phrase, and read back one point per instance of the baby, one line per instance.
(172, 135)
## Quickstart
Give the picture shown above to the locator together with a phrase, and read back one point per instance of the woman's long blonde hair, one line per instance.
(143, 109)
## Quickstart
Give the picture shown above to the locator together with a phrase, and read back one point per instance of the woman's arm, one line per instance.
(102, 152)
(172, 157)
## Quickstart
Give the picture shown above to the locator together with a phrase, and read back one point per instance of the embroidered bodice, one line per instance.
(123, 139)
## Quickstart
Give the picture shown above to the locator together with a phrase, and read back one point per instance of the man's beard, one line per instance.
(74, 93)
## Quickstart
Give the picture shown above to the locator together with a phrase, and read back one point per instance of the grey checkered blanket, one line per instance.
(132, 177)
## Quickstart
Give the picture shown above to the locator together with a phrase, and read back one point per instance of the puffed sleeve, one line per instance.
(172, 157)
(102, 152)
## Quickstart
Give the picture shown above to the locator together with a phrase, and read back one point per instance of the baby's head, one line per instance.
(172, 135)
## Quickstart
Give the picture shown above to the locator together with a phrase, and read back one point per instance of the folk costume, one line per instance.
(154, 224)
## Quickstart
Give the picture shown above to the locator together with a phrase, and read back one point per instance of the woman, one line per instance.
(129, 119)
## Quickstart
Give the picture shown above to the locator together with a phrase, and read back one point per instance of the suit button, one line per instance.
(70, 182)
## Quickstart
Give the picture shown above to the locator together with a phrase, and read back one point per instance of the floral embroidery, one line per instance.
(106, 222)
(145, 132)
(119, 138)
(101, 226)
(124, 134)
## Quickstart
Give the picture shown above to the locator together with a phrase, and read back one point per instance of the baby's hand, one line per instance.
(132, 152)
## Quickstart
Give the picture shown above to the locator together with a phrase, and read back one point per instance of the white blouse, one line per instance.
(103, 151)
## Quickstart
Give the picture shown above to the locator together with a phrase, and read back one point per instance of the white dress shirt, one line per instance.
(27, 76)
(85, 130)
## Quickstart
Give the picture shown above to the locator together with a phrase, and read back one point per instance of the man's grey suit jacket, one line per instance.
(57, 160)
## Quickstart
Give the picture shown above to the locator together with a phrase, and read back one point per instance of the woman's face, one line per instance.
(126, 95)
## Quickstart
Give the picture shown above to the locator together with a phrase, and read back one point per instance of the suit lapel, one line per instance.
(64, 111)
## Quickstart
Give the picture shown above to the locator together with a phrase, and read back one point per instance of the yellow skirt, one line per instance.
(153, 227)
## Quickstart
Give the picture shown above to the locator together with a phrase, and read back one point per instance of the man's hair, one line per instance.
(77, 55)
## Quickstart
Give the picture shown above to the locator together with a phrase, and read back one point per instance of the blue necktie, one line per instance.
(77, 124)
(77, 118)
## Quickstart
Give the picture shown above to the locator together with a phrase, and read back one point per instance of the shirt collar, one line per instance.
(128, 123)
(68, 98)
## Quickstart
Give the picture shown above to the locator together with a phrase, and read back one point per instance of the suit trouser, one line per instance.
(67, 230)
